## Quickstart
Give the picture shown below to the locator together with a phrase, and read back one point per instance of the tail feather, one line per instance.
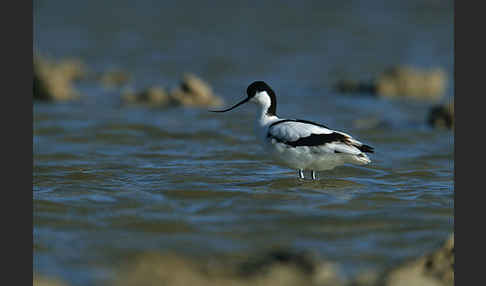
(366, 148)
(360, 146)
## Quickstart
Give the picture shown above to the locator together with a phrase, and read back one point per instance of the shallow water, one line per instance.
(113, 180)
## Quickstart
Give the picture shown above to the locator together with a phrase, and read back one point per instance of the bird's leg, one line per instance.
(313, 174)
(301, 174)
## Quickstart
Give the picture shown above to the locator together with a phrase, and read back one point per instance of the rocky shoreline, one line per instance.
(55, 80)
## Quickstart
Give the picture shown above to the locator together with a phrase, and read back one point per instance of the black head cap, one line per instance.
(259, 86)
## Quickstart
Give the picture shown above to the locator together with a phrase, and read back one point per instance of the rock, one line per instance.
(411, 82)
(434, 269)
(442, 116)
(54, 80)
(193, 92)
(400, 81)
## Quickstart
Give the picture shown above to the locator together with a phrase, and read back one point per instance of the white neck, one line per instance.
(262, 100)
(263, 119)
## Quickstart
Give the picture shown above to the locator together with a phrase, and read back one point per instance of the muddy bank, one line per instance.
(284, 267)
(400, 81)
(276, 267)
(436, 268)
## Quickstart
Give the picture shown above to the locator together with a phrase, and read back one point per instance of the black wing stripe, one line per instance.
(317, 139)
(314, 139)
(321, 139)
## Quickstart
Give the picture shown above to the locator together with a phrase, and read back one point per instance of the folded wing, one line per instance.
(297, 133)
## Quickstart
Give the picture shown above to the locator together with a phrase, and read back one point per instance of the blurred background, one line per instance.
(128, 162)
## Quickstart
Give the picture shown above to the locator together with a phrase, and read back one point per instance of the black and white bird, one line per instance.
(301, 144)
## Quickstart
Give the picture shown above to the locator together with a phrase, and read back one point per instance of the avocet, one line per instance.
(300, 144)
